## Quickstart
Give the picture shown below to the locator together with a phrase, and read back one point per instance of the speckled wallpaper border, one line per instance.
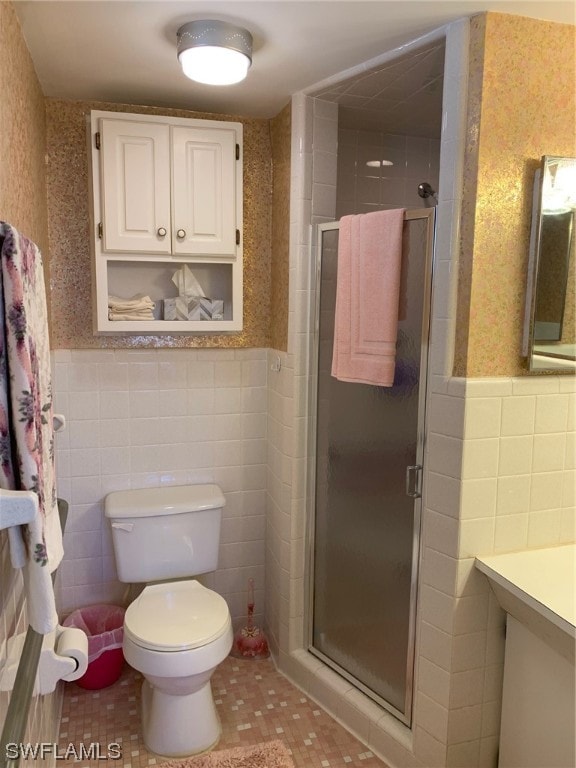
(68, 208)
(280, 133)
(522, 101)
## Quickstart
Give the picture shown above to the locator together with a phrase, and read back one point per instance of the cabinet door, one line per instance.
(204, 191)
(135, 180)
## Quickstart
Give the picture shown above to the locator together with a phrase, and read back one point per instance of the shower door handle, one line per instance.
(414, 481)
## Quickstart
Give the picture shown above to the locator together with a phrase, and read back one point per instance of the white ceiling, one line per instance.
(118, 51)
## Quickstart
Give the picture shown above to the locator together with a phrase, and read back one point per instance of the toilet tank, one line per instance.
(165, 533)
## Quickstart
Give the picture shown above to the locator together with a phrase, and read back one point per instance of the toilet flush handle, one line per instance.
(123, 526)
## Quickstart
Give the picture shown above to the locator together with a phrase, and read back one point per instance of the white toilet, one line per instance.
(175, 632)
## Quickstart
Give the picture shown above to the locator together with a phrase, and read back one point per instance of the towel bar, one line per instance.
(17, 507)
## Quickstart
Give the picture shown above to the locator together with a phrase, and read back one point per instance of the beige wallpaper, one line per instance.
(22, 204)
(22, 135)
(522, 103)
(280, 131)
(69, 239)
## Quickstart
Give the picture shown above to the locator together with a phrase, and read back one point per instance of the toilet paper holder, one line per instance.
(63, 656)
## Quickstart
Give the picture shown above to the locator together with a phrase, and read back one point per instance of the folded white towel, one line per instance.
(126, 305)
(142, 315)
(130, 307)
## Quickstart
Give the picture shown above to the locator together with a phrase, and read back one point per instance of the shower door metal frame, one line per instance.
(428, 215)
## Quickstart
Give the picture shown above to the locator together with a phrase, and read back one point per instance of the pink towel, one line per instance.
(367, 294)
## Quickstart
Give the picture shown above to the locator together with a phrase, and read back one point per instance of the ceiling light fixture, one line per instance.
(214, 52)
(378, 163)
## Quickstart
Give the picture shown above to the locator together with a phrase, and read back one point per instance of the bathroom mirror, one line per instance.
(550, 320)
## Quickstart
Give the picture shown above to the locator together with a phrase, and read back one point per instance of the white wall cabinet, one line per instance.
(135, 186)
(166, 192)
(203, 191)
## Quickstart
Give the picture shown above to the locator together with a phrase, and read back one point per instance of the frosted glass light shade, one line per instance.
(214, 52)
(214, 66)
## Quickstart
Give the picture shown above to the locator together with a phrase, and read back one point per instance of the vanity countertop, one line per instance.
(537, 587)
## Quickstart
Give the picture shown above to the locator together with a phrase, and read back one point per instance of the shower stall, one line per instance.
(343, 553)
(368, 444)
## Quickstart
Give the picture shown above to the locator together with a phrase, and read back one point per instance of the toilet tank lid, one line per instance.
(168, 500)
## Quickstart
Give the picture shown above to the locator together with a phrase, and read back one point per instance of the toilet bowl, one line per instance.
(176, 634)
(176, 631)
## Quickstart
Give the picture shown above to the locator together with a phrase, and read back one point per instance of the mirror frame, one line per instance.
(564, 365)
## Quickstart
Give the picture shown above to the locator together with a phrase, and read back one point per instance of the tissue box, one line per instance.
(211, 309)
(199, 308)
(181, 308)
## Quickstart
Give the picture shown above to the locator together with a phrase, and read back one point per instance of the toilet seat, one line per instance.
(176, 616)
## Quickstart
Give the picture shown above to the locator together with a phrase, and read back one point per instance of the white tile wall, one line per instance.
(527, 466)
(513, 494)
(138, 419)
(361, 189)
(313, 200)
(278, 517)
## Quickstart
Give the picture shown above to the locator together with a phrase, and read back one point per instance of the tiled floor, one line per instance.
(255, 703)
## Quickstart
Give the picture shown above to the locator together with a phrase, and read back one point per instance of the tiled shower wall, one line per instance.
(313, 188)
(362, 188)
(147, 418)
(314, 200)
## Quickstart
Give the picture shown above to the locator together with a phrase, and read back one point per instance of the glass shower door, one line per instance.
(367, 506)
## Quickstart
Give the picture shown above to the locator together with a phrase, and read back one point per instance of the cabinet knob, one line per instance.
(181, 233)
(162, 231)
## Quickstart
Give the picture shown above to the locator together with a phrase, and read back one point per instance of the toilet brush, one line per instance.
(250, 642)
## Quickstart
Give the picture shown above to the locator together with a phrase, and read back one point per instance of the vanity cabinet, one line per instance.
(536, 589)
(166, 192)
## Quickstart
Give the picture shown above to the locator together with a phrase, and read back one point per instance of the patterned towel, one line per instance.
(26, 428)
